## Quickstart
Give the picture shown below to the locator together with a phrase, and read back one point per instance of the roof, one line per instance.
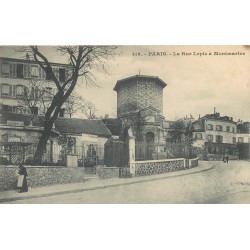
(31, 61)
(128, 79)
(114, 125)
(81, 126)
(216, 116)
(62, 125)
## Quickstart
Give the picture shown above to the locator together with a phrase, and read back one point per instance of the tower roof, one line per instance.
(128, 79)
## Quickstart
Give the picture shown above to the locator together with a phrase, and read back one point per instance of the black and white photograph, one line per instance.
(124, 124)
(95, 124)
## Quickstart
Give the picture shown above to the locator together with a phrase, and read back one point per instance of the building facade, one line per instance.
(140, 106)
(243, 139)
(215, 135)
(25, 87)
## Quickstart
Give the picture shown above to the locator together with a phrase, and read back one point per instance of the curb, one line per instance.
(100, 186)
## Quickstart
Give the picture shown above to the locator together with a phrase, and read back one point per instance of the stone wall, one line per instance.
(193, 163)
(159, 166)
(40, 176)
(107, 172)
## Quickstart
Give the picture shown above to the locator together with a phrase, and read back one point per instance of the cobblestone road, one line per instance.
(225, 183)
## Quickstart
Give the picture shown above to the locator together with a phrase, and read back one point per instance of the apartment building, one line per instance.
(215, 135)
(21, 79)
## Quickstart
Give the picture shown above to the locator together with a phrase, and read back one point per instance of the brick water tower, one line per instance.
(144, 94)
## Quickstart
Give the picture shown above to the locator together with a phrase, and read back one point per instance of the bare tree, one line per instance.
(81, 60)
(88, 109)
(35, 95)
(74, 104)
(77, 104)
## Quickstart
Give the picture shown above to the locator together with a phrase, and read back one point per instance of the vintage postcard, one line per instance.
(124, 124)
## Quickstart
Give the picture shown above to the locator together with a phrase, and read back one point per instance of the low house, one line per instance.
(87, 137)
(20, 134)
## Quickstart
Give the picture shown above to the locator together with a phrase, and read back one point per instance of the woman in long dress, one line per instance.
(22, 171)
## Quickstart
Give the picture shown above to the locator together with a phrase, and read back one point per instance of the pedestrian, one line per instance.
(22, 179)
(226, 155)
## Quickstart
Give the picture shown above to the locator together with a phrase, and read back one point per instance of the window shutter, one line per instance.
(13, 91)
(11, 69)
(29, 70)
(25, 70)
(14, 69)
(10, 90)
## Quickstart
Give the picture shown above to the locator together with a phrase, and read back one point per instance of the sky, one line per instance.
(197, 80)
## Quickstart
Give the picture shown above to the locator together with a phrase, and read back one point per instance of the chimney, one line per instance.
(214, 110)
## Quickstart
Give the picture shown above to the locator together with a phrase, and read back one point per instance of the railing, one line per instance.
(14, 154)
(152, 151)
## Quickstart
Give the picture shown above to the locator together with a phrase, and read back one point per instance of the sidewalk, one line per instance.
(92, 183)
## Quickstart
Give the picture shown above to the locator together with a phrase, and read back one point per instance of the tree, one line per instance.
(180, 132)
(35, 96)
(77, 104)
(81, 60)
(88, 109)
(135, 119)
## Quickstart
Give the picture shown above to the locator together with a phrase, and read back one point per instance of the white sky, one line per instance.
(195, 84)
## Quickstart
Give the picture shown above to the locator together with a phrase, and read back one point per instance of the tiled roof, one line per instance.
(81, 126)
(114, 125)
(128, 79)
(62, 125)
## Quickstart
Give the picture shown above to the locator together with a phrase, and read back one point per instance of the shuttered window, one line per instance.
(5, 90)
(5, 69)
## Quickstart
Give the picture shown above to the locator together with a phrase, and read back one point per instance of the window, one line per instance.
(210, 138)
(19, 71)
(48, 73)
(61, 75)
(34, 71)
(228, 128)
(234, 140)
(198, 136)
(240, 139)
(210, 127)
(219, 139)
(34, 93)
(233, 130)
(13, 91)
(5, 69)
(5, 90)
(19, 91)
(218, 127)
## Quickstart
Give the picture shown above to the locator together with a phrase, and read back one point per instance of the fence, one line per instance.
(89, 155)
(116, 153)
(148, 151)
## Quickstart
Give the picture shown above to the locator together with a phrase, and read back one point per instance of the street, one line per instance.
(225, 183)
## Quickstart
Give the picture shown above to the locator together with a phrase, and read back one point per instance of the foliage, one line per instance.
(180, 132)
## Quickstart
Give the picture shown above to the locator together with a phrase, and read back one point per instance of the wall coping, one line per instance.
(164, 160)
(30, 166)
(108, 168)
(193, 159)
